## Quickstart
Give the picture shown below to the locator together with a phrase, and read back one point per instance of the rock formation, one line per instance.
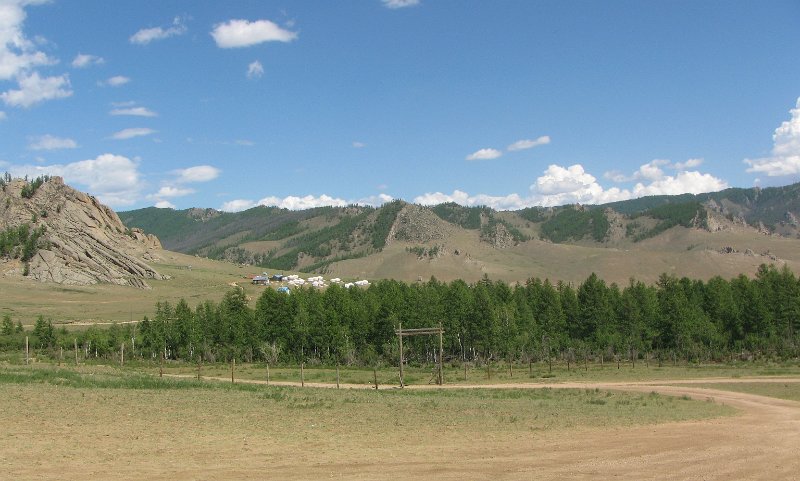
(418, 224)
(84, 242)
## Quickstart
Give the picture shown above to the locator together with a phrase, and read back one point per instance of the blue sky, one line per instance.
(502, 103)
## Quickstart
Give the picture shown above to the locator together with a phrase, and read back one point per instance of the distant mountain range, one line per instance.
(724, 233)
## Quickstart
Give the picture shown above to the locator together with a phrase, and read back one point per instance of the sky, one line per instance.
(510, 104)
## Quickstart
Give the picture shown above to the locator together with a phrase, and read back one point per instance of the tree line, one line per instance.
(487, 320)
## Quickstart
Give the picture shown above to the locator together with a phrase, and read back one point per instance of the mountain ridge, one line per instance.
(366, 241)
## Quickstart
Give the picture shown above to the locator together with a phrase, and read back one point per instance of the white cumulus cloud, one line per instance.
(198, 173)
(18, 54)
(299, 203)
(689, 164)
(244, 33)
(147, 35)
(83, 60)
(116, 81)
(359, 145)
(49, 142)
(498, 202)
(293, 202)
(237, 205)
(528, 144)
(567, 185)
(114, 179)
(682, 183)
(484, 154)
(255, 70)
(651, 170)
(34, 89)
(125, 134)
(559, 185)
(374, 200)
(785, 158)
(164, 204)
(394, 4)
(20, 57)
(134, 111)
(170, 191)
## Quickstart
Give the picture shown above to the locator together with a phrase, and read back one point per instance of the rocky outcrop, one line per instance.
(498, 236)
(415, 223)
(84, 242)
(203, 215)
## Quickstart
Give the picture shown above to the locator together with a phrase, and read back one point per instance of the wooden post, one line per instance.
(510, 369)
(267, 374)
(233, 368)
(302, 375)
(27, 353)
(76, 351)
(400, 338)
(530, 368)
(375, 377)
(161, 365)
(61, 356)
(441, 356)
(337, 377)
(488, 370)
(122, 355)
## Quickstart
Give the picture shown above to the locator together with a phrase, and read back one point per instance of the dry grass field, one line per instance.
(682, 252)
(25, 299)
(102, 422)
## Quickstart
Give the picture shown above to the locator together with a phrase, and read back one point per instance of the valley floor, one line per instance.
(591, 431)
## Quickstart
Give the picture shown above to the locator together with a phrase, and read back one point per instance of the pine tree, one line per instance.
(7, 327)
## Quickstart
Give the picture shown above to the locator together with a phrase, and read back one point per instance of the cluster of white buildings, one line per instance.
(294, 280)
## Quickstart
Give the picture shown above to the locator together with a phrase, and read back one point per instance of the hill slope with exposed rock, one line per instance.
(53, 233)
(721, 233)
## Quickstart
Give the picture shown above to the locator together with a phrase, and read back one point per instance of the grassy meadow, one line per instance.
(292, 411)
(193, 278)
(499, 373)
(101, 420)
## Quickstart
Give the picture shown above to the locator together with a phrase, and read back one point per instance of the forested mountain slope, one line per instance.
(725, 232)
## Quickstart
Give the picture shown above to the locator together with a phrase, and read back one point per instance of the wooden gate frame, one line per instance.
(424, 331)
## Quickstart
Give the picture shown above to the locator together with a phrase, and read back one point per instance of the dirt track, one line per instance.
(761, 442)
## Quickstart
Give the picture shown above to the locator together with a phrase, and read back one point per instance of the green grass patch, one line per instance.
(472, 410)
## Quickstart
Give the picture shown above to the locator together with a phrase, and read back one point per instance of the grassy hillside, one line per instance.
(659, 234)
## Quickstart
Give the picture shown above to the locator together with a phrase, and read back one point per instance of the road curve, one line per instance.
(761, 442)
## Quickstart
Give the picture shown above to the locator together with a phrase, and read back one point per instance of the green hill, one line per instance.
(315, 239)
